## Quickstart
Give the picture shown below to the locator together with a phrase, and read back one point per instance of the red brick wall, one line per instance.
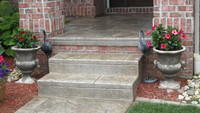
(42, 14)
(90, 8)
(177, 13)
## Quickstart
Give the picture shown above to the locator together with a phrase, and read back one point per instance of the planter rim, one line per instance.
(170, 52)
(25, 49)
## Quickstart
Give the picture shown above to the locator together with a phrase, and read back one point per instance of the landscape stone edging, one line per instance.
(142, 99)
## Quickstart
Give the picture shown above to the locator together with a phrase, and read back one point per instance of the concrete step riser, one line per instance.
(97, 93)
(93, 69)
(100, 76)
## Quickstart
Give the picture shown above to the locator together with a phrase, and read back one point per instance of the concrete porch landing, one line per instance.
(73, 105)
(108, 30)
(109, 26)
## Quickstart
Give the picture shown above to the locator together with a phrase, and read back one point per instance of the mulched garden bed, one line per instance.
(152, 91)
(17, 95)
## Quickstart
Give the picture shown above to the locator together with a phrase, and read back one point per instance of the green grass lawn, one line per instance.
(143, 107)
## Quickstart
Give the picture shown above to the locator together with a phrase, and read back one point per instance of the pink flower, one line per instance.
(174, 32)
(181, 31)
(148, 43)
(153, 27)
(183, 36)
(1, 59)
(163, 46)
(168, 36)
(148, 33)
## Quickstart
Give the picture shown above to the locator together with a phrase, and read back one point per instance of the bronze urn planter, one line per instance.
(169, 63)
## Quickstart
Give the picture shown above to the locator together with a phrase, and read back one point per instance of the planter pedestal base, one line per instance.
(26, 80)
(169, 84)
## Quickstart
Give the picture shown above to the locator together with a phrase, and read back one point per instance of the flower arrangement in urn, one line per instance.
(4, 71)
(167, 43)
(166, 39)
(26, 48)
(25, 39)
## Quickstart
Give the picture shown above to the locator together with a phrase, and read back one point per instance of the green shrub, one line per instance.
(9, 23)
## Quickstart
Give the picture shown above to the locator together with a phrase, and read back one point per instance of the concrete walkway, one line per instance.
(73, 105)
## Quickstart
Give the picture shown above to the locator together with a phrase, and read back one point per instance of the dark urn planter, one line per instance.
(26, 61)
(169, 63)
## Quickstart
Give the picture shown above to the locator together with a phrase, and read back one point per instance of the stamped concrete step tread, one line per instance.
(94, 41)
(89, 81)
(73, 105)
(96, 57)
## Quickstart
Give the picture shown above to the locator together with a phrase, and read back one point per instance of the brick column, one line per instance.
(179, 13)
(90, 8)
(42, 14)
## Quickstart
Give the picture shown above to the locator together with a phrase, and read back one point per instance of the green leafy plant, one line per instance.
(166, 39)
(25, 39)
(9, 23)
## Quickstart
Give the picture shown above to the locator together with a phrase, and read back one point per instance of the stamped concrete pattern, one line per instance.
(99, 87)
(73, 105)
(98, 76)
(122, 26)
(94, 64)
(108, 81)
(109, 30)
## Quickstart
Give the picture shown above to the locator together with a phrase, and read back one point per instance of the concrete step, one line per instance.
(73, 105)
(95, 64)
(90, 86)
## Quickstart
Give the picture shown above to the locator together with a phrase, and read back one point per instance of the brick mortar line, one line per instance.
(46, 18)
(184, 17)
(38, 7)
(129, 7)
(174, 5)
(174, 11)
